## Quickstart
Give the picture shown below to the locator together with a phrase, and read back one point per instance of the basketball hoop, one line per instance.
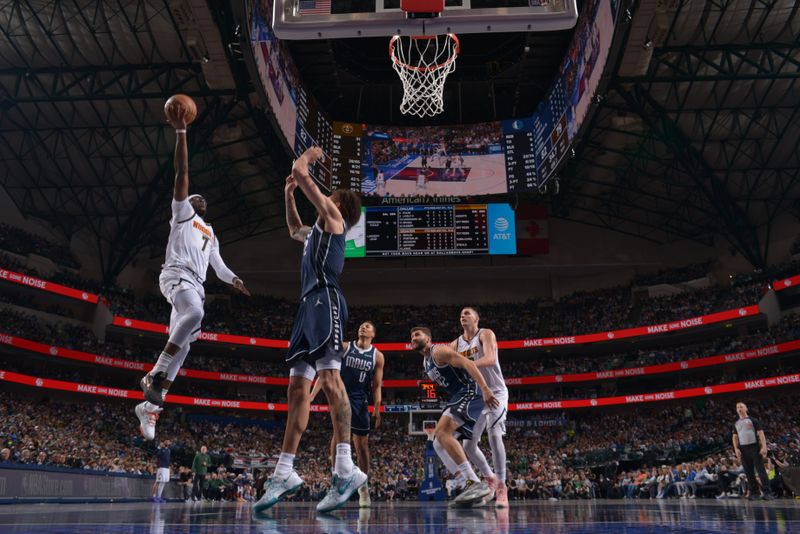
(430, 429)
(423, 63)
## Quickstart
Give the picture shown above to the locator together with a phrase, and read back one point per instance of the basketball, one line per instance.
(180, 101)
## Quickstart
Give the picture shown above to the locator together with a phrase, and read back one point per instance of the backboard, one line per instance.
(336, 19)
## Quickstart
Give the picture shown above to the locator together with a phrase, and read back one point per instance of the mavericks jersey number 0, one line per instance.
(358, 368)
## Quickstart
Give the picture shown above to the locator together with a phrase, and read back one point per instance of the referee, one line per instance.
(750, 445)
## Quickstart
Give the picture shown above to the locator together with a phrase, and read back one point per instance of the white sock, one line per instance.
(161, 365)
(449, 463)
(160, 488)
(460, 479)
(466, 470)
(344, 460)
(284, 466)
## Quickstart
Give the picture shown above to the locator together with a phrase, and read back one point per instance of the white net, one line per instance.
(423, 64)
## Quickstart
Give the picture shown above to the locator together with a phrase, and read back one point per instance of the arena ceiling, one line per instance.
(83, 142)
(698, 131)
(696, 136)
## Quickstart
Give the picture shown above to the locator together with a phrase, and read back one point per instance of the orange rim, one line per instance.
(417, 68)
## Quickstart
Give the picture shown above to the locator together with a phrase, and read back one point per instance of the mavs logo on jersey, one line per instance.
(358, 368)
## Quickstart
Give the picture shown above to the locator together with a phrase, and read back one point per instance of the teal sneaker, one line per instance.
(276, 490)
(341, 490)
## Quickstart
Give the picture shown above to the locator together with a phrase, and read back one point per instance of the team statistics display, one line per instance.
(447, 230)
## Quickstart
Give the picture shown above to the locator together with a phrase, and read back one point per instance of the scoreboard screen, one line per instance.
(448, 230)
(517, 155)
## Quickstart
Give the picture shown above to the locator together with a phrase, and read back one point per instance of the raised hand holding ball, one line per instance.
(180, 110)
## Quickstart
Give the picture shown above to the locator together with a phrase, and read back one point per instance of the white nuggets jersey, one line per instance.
(473, 350)
(191, 241)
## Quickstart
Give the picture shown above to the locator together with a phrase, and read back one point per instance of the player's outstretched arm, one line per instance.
(297, 230)
(377, 384)
(489, 344)
(222, 270)
(446, 355)
(181, 157)
(325, 207)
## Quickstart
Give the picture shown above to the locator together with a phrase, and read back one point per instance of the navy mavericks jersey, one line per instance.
(454, 380)
(358, 368)
(323, 260)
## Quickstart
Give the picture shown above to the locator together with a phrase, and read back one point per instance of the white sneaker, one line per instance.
(363, 497)
(148, 417)
(341, 490)
(276, 490)
(473, 494)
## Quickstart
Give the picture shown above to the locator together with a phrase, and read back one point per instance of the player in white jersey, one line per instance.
(191, 247)
(422, 182)
(480, 345)
(380, 184)
(458, 165)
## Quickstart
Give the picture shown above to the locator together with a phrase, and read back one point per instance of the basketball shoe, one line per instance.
(152, 385)
(501, 495)
(276, 490)
(492, 483)
(473, 493)
(341, 490)
(148, 417)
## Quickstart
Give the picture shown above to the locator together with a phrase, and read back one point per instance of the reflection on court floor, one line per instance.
(601, 517)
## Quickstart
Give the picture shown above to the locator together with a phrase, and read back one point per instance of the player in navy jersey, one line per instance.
(461, 379)
(315, 345)
(362, 374)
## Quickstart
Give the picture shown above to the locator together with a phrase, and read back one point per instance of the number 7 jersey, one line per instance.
(191, 241)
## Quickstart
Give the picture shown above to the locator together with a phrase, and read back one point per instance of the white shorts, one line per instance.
(172, 281)
(495, 417)
(162, 474)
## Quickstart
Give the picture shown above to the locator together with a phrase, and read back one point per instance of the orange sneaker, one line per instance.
(501, 495)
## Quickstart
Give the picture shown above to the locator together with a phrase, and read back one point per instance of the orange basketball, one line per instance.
(180, 101)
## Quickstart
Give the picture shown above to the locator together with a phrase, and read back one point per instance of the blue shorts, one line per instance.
(359, 417)
(465, 408)
(318, 326)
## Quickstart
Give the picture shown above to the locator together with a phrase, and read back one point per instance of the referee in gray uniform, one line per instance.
(750, 445)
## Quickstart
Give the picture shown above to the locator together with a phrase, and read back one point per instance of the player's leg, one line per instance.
(446, 429)
(187, 314)
(474, 452)
(339, 405)
(476, 456)
(360, 423)
(496, 431)
(285, 481)
(362, 451)
(162, 480)
(348, 478)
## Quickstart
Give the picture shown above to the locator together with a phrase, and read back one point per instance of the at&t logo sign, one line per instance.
(501, 226)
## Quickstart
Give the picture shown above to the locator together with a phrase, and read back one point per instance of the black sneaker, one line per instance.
(768, 497)
(152, 385)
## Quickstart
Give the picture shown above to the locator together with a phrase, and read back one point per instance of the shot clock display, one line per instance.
(428, 394)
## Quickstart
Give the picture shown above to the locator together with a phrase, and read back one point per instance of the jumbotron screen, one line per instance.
(448, 230)
(460, 160)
